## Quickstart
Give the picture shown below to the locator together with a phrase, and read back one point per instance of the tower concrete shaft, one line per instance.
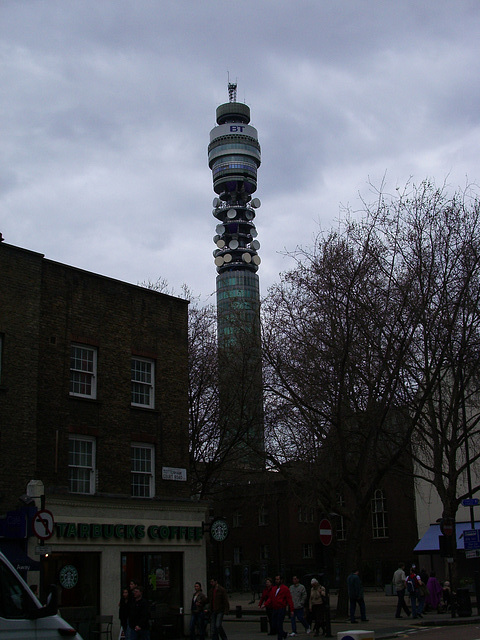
(234, 157)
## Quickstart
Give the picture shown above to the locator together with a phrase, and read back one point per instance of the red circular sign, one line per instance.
(326, 533)
(447, 526)
(43, 524)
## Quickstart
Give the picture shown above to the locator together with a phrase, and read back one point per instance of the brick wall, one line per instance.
(20, 283)
(45, 306)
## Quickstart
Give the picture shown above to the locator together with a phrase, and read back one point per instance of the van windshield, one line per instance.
(15, 602)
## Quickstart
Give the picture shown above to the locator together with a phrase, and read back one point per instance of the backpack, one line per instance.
(411, 584)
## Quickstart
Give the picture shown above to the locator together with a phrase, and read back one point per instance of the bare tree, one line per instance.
(358, 340)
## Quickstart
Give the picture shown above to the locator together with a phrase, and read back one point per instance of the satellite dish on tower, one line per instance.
(255, 245)
(231, 213)
(220, 229)
(249, 215)
(216, 202)
(220, 243)
(227, 257)
(233, 244)
(218, 261)
(255, 203)
(256, 260)
(246, 257)
(253, 232)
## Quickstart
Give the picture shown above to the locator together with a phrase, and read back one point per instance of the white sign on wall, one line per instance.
(171, 473)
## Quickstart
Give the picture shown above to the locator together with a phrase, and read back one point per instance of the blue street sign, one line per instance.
(471, 539)
(470, 502)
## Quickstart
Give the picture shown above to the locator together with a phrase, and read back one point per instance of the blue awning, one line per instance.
(430, 543)
(18, 557)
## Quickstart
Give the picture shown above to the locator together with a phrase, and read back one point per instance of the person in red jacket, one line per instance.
(263, 604)
(280, 598)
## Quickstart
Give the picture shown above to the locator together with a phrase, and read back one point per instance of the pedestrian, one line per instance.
(197, 609)
(299, 598)
(433, 600)
(317, 606)
(399, 579)
(219, 606)
(123, 611)
(412, 583)
(139, 620)
(280, 599)
(263, 603)
(355, 595)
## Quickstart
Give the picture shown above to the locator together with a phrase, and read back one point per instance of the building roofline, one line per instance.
(91, 273)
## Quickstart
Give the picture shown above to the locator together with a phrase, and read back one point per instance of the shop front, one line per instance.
(97, 549)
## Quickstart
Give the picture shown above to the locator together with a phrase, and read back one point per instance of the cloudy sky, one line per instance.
(106, 108)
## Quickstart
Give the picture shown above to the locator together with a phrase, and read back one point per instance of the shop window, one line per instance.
(307, 551)
(143, 380)
(83, 371)
(81, 464)
(162, 576)
(143, 478)
(78, 575)
(379, 515)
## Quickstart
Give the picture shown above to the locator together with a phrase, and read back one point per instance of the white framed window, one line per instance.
(143, 470)
(306, 514)
(83, 371)
(307, 550)
(81, 464)
(262, 517)
(237, 555)
(264, 552)
(379, 515)
(143, 379)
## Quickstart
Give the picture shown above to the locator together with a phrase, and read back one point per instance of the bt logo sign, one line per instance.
(237, 128)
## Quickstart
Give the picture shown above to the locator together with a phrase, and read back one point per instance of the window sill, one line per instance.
(135, 407)
(83, 399)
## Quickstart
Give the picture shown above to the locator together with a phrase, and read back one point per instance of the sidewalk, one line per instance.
(380, 612)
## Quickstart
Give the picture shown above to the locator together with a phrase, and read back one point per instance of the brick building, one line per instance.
(272, 530)
(93, 404)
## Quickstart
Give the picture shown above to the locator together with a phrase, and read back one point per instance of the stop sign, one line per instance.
(326, 533)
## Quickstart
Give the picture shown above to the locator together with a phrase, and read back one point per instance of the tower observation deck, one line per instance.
(234, 157)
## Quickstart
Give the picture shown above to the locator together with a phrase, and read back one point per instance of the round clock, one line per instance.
(219, 530)
(68, 576)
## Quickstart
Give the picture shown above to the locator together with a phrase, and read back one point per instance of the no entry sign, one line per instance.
(43, 524)
(326, 533)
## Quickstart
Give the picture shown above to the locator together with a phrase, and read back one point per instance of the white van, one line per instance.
(22, 615)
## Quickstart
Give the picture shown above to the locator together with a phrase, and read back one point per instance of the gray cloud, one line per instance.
(106, 109)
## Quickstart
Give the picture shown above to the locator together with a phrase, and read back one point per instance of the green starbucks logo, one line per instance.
(68, 576)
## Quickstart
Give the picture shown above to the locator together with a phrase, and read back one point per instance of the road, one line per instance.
(460, 632)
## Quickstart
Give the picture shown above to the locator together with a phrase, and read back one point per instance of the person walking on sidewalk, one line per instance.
(299, 598)
(265, 597)
(355, 595)
(412, 583)
(317, 606)
(280, 599)
(219, 606)
(197, 610)
(399, 584)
